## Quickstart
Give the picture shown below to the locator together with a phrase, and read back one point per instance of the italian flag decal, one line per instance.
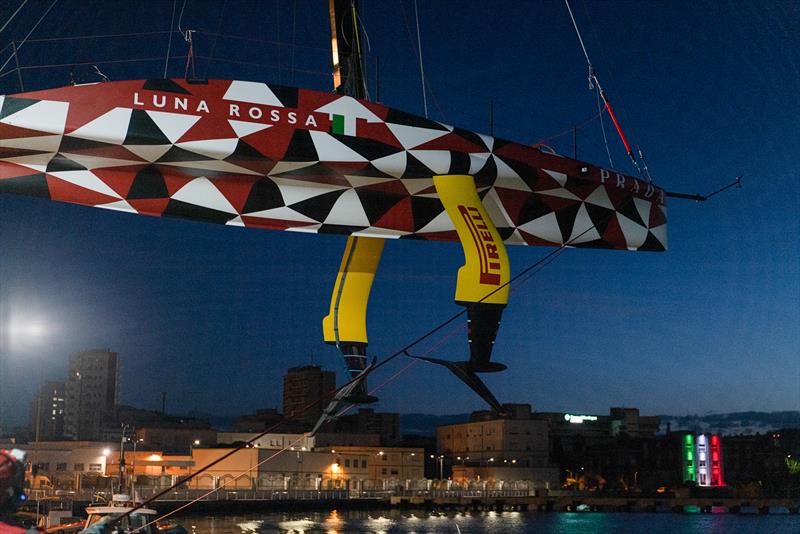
(337, 124)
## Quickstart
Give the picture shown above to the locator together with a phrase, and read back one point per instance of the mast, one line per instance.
(348, 58)
(345, 325)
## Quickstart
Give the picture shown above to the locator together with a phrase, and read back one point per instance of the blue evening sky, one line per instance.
(215, 315)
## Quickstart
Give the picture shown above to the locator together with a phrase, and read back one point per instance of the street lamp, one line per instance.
(135, 441)
(440, 459)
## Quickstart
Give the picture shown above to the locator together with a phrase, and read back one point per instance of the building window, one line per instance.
(95, 467)
(383, 471)
(44, 466)
(364, 464)
(61, 467)
(77, 467)
(347, 463)
(394, 471)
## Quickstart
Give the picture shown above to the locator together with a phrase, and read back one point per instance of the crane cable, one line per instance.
(594, 82)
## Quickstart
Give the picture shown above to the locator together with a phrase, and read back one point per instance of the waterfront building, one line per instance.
(69, 464)
(47, 411)
(510, 448)
(262, 468)
(620, 421)
(386, 467)
(91, 394)
(306, 391)
(487, 438)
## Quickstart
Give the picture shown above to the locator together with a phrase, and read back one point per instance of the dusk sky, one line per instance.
(214, 315)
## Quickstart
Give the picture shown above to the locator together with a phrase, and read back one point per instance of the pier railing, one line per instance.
(184, 495)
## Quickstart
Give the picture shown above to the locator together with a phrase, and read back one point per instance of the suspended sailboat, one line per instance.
(260, 155)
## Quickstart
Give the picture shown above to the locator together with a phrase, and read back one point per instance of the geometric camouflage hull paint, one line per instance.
(266, 156)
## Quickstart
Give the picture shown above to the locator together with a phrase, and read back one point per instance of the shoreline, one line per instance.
(521, 504)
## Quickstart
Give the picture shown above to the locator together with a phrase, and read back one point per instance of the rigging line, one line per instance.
(273, 427)
(169, 43)
(214, 44)
(95, 36)
(14, 14)
(360, 54)
(380, 386)
(569, 130)
(222, 486)
(180, 19)
(294, 40)
(603, 127)
(29, 33)
(543, 261)
(580, 39)
(262, 41)
(421, 68)
(278, 31)
(93, 62)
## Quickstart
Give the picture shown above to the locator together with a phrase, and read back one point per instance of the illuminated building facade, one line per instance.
(702, 460)
(688, 456)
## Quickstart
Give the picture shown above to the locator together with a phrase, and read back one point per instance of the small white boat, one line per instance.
(143, 520)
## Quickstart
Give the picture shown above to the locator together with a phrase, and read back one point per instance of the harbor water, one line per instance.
(423, 522)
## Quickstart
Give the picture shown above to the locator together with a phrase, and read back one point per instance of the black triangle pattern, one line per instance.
(628, 209)
(369, 148)
(566, 220)
(459, 162)
(33, 185)
(533, 209)
(487, 175)
(287, 95)
(301, 147)
(148, 183)
(377, 203)
(61, 163)
(652, 243)
(245, 152)
(265, 195)
(599, 216)
(415, 168)
(142, 130)
(13, 104)
(318, 207)
(472, 137)
(75, 144)
(424, 210)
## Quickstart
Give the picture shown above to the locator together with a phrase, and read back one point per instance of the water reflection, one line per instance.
(422, 522)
